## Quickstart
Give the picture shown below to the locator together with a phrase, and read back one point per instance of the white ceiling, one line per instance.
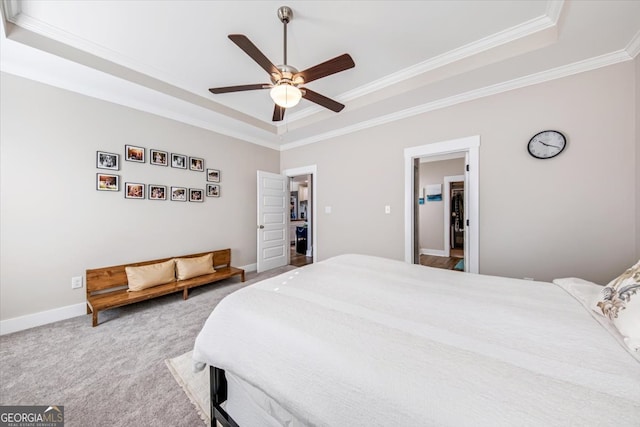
(411, 56)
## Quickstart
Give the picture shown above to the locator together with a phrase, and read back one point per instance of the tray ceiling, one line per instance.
(411, 56)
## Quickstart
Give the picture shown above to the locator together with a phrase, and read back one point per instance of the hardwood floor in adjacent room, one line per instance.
(447, 263)
(299, 260)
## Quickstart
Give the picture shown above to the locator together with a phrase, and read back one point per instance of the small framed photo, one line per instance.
(196, 195)
(157, 192)
(107, 182)
(213, 175)
(179, 194)
(213, 190)
(107, 160)
(133, 190)
(157, 157)
(178, 161)
(133, 153)
(196, 164)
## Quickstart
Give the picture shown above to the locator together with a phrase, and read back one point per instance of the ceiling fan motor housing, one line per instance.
(288, 75)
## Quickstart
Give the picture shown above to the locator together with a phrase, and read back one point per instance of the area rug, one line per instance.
(194, 384)
(460, 265)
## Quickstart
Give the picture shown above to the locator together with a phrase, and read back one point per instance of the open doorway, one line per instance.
(301, 221)
(440, 213)
(469, 148)
(300, 207)
(274, 217)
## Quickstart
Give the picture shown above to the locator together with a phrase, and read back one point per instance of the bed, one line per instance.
(358, 340)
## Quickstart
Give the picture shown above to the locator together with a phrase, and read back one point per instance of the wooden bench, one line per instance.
(107, 286)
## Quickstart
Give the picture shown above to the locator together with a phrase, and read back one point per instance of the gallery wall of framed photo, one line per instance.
(173, 183)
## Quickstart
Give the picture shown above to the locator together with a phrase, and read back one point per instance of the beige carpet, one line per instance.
(114, 375)
(194, 384)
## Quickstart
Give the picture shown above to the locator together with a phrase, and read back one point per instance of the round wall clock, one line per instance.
(547, 144)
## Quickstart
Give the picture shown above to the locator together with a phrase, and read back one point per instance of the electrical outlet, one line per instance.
(76, 282)
(387, 209)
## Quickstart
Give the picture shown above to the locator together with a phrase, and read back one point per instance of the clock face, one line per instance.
(547, 144)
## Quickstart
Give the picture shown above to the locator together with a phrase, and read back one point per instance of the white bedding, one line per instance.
(363, 341)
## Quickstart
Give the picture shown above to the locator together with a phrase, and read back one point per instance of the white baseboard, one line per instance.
(433, 252)
(45, 317)
(250, 267)
(42, 318)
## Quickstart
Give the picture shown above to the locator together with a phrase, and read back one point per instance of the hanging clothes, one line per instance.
(458, 211)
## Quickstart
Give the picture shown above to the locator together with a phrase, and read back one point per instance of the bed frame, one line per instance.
(218, 386)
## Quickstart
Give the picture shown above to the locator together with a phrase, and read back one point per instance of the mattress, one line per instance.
(364, 341)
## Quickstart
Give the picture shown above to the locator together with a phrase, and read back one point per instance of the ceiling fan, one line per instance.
(286, 81)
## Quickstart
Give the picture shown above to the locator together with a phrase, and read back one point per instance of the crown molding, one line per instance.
(533, 79)
(633, 48)
(503, 37)
(49, 31)
(12, 8)
(204, 118)
(500, 38)
(120, 66)
(554, 10)
(15, 15)
(128, 95)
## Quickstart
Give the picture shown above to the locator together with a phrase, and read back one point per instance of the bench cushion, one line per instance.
(186, 268)
(147, 276)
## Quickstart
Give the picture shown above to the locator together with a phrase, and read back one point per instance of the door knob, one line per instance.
(261, 227)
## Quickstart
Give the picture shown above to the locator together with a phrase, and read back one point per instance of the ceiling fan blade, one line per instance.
(332, 66)
(250, 49)
(227, 89)
(322, 100)
(278, 113)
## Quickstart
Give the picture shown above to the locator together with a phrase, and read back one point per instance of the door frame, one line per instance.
(313, 223)
(471, 147)
(447, 210)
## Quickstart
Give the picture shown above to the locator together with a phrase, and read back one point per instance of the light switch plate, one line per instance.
(76, 282)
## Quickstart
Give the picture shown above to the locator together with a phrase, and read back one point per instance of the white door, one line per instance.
(273, 211)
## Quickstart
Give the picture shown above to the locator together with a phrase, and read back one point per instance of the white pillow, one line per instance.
(619, 302)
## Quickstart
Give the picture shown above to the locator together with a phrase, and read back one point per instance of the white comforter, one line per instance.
(365, 341)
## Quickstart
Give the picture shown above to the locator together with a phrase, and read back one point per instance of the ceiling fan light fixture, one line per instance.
(287, 83)
(286, 95)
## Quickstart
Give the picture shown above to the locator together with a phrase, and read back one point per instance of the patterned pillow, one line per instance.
(619, 302)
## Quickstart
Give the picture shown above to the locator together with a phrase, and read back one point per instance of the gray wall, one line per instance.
(55, 225)
(576, 215)
(573, 215)
(431, 214)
